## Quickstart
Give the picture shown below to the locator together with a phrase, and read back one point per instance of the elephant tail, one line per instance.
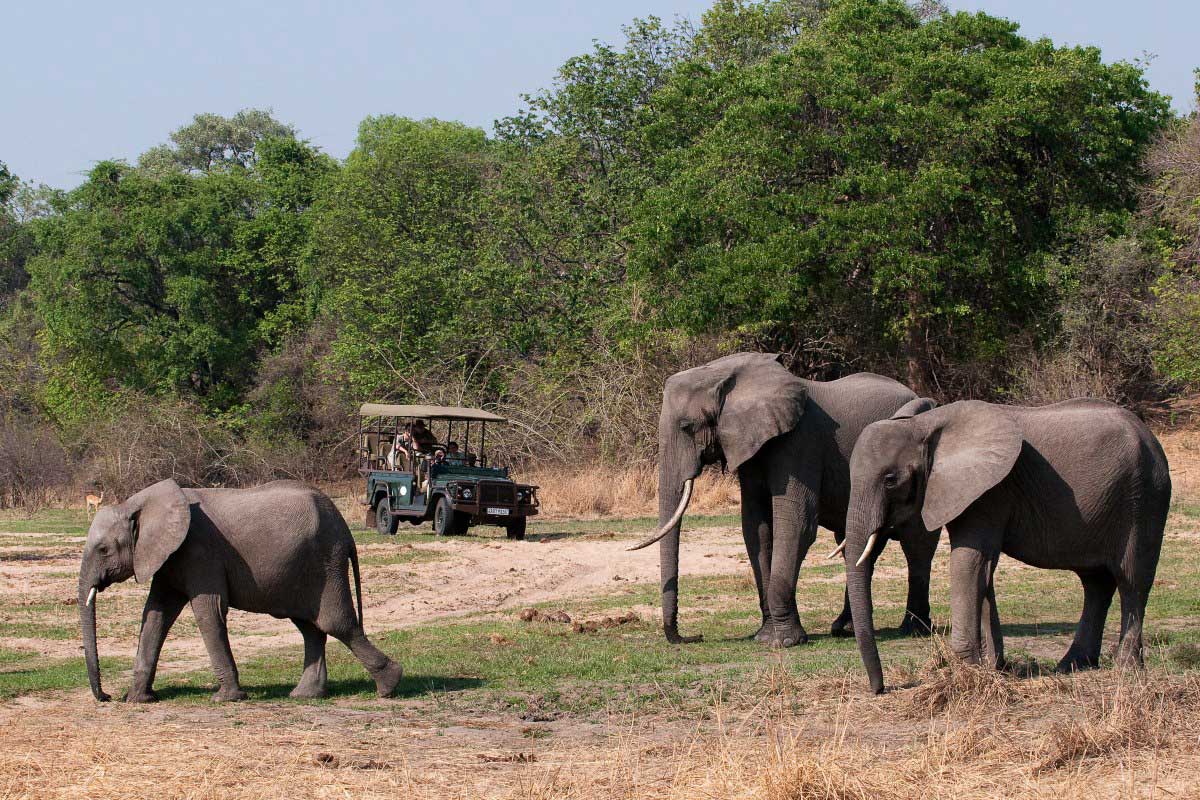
(357, 582)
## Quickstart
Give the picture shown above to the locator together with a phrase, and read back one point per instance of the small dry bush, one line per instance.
(599, 490)
(948, 685)
(33, 465)
(150, 440)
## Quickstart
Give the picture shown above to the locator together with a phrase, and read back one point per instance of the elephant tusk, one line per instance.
(838, 551)
(874, 537)
(672, 522)
(91, 596)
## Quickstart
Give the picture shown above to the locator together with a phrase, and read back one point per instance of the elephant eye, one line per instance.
(889, 480)
(687, 426)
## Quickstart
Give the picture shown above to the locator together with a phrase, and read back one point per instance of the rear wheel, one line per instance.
(515, 529)
(385, 520)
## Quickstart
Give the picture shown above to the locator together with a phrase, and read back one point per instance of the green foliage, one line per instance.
(173, 283)
(867, 184)
(394, 243)
(212, 143)
(889, 180)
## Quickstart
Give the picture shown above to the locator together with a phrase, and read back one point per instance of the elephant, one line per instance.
(1081, 485)
(789, 441)
(281, 548)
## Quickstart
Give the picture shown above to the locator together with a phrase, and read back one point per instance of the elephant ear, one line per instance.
(971, 447)
(761, 400)
(160, 518)
(918, 405)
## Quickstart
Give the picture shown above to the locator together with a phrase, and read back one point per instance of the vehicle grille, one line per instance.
(497, 494)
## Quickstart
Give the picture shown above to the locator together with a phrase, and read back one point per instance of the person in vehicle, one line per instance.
(398, 457)
(422, 437)
(453, 454)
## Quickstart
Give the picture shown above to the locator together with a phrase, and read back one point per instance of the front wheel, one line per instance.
(385, 520)
(447, 521)
(515, 529)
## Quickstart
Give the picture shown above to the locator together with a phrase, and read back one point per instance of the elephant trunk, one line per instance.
(87, 624)
(674, 490)
(861, 524)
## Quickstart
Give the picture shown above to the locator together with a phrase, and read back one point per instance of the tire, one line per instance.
(385, 520)
(443, 517)
(515, 529)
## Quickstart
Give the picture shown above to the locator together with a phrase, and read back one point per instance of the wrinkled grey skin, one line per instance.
(281, 549)
(789, 440)
(1081, 485)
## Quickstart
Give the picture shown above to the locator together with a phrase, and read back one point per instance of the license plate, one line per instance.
(498, 512)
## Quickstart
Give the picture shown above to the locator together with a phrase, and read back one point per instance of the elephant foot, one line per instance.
(388, 678)
(842, 627)
(788, 635)
(917, 627)
(302, 692)
(146, 696)
(1075, 663)
(763, 633)
(674, 638)
(224, 695)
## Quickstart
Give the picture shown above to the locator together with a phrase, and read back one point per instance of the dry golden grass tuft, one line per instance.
(599, 490)
(947, 684)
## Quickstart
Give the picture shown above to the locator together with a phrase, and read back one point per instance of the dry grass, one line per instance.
(600, 490)
(1098, 734)
(1182, 447)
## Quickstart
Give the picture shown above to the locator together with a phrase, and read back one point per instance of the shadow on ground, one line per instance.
(412, 686)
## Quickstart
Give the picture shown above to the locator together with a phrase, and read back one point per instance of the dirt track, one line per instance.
(466, 577)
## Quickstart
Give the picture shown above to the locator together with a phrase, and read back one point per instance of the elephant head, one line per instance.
(936, 464)
(721, 412)
(132, 539)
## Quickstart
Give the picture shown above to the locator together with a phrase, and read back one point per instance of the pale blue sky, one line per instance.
(85, 81)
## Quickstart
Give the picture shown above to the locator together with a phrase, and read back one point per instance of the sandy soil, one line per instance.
(471, 576)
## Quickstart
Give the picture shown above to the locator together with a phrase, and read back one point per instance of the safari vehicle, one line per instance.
(418, 481)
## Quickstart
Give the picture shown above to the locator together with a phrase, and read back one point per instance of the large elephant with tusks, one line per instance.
(789, 440)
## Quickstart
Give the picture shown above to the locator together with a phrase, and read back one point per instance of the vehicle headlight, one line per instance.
(466, 493)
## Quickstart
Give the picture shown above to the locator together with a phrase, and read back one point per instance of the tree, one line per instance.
(885, 181)
(212, 143)
(393, 243)
(174, 283)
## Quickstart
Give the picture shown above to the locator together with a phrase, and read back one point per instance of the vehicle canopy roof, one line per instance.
(428, 412)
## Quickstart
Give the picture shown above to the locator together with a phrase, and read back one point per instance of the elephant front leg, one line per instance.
(210, 611)
(162, 609)
(993, 639)
(793, 531)
(756, 533)
(970, 568)
(919, 546)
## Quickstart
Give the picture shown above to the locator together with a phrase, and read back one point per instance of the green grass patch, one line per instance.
(54, 675)
(58, 521)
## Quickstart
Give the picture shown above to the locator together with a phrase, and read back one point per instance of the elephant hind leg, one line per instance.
(1084, 653)
(386, 673)
(313, 682)
(1133, 612)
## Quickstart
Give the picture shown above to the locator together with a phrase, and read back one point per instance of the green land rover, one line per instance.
(429, 463)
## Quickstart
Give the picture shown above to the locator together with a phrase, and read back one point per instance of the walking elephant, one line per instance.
(1081, 485)
(281, 549)
(789, 441)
